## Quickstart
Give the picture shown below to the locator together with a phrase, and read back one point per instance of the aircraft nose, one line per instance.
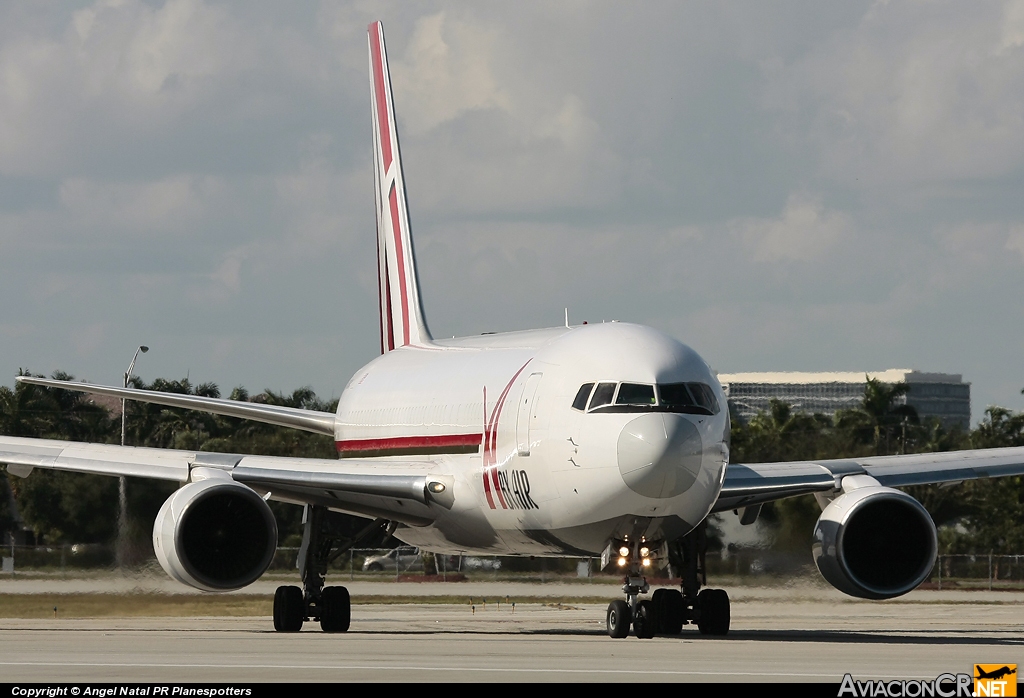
(659, 455)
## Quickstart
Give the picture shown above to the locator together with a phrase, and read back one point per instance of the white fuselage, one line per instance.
(534, 475)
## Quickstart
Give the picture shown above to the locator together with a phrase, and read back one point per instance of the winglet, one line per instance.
(401, 312)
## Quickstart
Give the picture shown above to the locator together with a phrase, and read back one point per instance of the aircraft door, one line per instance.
(526, 413)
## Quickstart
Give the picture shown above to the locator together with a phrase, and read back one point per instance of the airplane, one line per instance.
(606, 439)
(994, 674)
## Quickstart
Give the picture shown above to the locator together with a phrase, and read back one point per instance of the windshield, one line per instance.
(683, 398)
(694, 398)
(635, 394)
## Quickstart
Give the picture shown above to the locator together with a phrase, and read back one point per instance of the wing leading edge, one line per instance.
(306, 420)
(413, 493)
(757, 483)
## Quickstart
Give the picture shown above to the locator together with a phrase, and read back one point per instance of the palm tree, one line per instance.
(74, 416)
(882, 419)
(24, 410)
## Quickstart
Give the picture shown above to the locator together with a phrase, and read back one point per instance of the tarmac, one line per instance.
(802, 632)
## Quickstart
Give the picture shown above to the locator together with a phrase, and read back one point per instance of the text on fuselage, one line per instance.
(512, 488)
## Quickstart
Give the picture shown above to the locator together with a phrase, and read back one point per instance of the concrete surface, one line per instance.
(778, 634)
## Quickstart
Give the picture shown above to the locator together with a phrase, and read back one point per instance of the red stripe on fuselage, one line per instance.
(484, 439)
(408, 442)
(380, 91)
(491, 443)
(494, 448)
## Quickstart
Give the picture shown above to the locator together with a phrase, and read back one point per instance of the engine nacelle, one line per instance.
(875, 542)
(215, 535)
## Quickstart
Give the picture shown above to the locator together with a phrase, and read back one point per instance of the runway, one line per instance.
(780, 636)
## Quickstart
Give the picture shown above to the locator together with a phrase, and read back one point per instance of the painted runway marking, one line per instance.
(392, 667)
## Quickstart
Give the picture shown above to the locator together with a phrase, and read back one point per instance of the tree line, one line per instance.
(62, 507)
(975, 517)
(979, 516)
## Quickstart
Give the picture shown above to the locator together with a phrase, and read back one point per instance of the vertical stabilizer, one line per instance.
(401, 313)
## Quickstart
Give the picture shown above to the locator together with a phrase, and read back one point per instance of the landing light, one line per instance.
(436, 487)
(624, 551)
(647, 562)
(622, 562)
(644, 552)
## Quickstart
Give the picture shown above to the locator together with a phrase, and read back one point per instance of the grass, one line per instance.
(139, 605)
(132, 605)
(199, 606)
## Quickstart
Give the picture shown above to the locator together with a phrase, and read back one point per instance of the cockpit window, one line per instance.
(635, 394)
(684, 398)
(675, 395)
(602, 395)
(580, 403)
(704, 396)
(692, 398)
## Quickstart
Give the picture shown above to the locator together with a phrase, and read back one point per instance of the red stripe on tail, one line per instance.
(397, 229)
(387, 296)
(380, 90)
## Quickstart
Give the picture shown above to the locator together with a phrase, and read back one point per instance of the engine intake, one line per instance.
(215, 535)
(875, 542)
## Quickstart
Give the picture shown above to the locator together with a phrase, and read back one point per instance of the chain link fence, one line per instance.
(978, 571)
(749, 565)
(370, 563)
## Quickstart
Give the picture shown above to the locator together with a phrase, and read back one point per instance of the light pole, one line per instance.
(127, 376)
(122, 491)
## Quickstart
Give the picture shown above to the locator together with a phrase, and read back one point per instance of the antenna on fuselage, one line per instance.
(566, 317)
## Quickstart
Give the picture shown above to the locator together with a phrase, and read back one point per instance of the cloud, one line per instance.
(140, 208)
(1015, 240)
(913, 92)
(808, 185)
(804, 232)
(445, 71)
(220, 286)
(87, 340)
(109, 86)
(118, 69)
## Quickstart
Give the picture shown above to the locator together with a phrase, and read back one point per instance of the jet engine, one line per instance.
(874, 542)
(215, 534)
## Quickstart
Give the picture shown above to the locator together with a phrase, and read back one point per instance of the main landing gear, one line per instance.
(668, 610)
(324, 538)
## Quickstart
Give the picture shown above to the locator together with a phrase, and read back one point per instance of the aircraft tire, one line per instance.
(645, 621)
(714, 612)
(289, 610)
(669, 611)
(618, 619)
(335, 610)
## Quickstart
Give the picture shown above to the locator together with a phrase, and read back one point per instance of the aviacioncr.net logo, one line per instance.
(942, 686)
(995, 680)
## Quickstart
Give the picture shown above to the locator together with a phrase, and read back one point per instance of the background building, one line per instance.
(941, 395)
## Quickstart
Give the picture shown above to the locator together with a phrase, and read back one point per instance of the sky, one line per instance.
(795, 186)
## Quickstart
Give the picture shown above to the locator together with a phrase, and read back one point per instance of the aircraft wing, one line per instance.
(757, 483)
(308, 420)
(409, 492)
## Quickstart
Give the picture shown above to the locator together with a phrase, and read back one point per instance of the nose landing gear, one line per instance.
(668, 610)
(619, 618)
